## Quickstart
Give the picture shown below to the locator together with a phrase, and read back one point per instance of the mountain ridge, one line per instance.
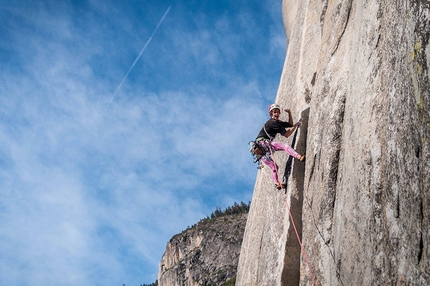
(206, 253)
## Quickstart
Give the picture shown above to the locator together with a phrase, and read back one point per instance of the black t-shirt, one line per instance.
(274, 127)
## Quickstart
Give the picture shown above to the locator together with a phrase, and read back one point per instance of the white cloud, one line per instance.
(87, 195)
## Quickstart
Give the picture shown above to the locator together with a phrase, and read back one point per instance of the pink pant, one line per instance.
(278, 146)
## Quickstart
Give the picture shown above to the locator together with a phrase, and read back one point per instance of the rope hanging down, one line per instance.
(300, 242)
(286, 175)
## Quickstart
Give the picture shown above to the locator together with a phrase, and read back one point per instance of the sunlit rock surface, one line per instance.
(206, 254)
(356, 72)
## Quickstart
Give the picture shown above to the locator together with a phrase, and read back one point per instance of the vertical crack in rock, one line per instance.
(397, 205)
(421, 52)
(314, 77)
(420, 254)
(331, 146)
(312, 168)
(291, 270)
(334, 135)
(376, 47)
(404, 227)
(259, 255)
(323, 11)
(366, 223)
(343, 21)
(326, 242)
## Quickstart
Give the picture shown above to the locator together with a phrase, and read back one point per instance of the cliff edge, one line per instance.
(205, 254)
(356, 71)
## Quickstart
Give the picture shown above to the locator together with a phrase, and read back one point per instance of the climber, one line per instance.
(263, 147)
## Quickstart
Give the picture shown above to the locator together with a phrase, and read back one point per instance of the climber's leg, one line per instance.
(278, 146)
(273, 166)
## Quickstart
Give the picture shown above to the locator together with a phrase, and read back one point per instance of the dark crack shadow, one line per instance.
(291, 271)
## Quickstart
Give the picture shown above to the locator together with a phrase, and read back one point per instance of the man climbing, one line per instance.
(264, 146)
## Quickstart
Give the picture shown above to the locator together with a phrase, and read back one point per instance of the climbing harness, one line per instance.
(268, 135)
(259, 148)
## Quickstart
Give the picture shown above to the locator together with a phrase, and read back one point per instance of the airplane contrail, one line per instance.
(135, 61)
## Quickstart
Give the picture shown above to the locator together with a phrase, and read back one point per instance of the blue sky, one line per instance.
(96, 176)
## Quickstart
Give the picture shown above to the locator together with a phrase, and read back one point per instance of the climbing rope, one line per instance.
(299, 240)
(293, 223)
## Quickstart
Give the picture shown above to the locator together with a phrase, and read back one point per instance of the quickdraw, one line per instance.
(259, 149)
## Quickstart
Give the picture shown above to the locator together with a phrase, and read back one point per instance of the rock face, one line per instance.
(356, 71)
(206, 254)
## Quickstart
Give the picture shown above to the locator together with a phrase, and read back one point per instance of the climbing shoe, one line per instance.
(280, 186)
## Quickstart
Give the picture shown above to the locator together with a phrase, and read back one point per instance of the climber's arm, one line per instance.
(291, 130)
(290, 117)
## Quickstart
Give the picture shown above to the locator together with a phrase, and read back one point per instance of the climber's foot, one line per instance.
(280, 186)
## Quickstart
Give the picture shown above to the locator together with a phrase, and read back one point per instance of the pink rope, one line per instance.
(294, 226)
(300, 242)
